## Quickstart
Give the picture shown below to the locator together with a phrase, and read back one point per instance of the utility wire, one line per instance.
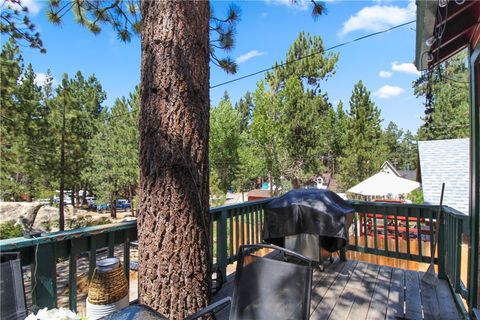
(313, 54)
(290, 62)
(295, 60)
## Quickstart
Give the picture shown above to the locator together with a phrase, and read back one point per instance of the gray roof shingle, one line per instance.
(445, 161)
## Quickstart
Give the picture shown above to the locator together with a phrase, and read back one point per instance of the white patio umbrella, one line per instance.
(384, 184)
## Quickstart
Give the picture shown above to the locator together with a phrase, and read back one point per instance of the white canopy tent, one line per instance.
(384, 184)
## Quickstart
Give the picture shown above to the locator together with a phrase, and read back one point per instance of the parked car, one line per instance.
(66, 200)
(102, 206)
(43, 201)
(120, 204)
(123, 204)
(92, 204)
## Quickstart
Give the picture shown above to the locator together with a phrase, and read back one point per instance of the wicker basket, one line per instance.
(107, 287)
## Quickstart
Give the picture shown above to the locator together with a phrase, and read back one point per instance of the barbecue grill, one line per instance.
(308, 220)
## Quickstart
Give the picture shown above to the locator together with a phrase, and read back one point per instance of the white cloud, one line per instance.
(249, 55)
(41, 79)
(405, 68)
(387, 92)
(34, 6)
(385, 74)
(379, 17)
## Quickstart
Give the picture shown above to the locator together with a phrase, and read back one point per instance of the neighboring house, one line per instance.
(258, 194)
(331, 182)
(408, 174)
(323, 181)
(445, 161)
(387, 167)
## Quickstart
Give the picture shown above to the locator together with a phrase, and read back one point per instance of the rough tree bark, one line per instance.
(173, 216)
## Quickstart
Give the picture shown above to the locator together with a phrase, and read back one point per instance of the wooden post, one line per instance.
(222, 244)
(474, 210)
(126, 255)
(92, 262)
(72, 276)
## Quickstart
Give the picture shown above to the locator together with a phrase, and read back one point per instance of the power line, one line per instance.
(313, 54)
(288, 62)
(298, 59)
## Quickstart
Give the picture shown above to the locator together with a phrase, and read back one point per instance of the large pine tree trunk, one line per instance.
(173, 216)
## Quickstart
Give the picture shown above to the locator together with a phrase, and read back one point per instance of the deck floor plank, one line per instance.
(395, 305)
(348, 296)
(362, 301)
(378, 306)
(429, 300)
(413, 300)
(330, 298)
(360, 290)
(324, 283)
(446, 303)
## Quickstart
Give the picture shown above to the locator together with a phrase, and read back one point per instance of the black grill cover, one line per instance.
(313, 211)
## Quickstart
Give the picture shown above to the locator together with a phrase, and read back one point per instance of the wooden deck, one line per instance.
(359, 290)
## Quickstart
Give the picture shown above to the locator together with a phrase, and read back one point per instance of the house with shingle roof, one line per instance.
(445, 161)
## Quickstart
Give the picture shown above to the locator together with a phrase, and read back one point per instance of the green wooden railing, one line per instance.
(378, 228)
(232, 226)
(405, 231)
(44, 253)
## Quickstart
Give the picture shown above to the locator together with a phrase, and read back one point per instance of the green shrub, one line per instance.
(9, 230)
(416, 196)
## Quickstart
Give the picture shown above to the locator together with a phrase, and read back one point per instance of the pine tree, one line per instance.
(10, 167)
(85, 110)
(409, 152)
(447, 111)
(301, 131)
(225, 130)
(265, 132)
(392, 136)
(311, 71)
(335, 133)
(299, 115)
(20, 98)
(245, 108)
(114, 152)
(43, 141)
(250, 165)
(364, 151)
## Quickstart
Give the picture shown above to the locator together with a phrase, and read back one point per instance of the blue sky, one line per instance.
(264, 34)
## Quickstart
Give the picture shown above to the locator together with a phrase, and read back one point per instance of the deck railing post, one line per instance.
(126, 255)
(44, 270)
(72, 277)
(441, 245)
(222, 244)
(92, 257)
